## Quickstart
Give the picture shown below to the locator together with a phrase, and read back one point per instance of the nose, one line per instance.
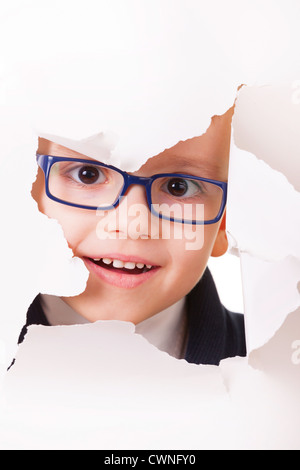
(132, 217)
(136, 189)
(133, 213)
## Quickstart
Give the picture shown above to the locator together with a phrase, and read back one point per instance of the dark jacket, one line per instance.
(214, 333)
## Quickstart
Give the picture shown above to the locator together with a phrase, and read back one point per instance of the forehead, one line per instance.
(206, 155)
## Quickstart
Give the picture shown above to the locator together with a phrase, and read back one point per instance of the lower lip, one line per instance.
(119, 278)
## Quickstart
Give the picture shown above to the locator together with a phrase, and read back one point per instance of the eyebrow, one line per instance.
(205, 167)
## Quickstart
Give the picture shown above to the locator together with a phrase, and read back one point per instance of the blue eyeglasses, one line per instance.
(88, 184)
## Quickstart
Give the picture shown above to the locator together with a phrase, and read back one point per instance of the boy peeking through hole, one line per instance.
(151, 270)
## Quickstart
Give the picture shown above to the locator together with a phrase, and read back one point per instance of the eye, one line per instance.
(177, 187)
(87, 174)
(180, 187)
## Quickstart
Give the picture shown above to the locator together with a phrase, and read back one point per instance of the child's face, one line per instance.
(111, 294)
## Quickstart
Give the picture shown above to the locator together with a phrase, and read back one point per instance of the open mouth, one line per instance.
(127, 267)
(120, 273)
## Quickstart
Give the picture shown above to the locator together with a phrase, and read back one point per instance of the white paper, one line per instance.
(265, 227)
(104, 387)
(121, 82)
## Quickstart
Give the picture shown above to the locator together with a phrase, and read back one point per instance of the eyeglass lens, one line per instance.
(175, 197)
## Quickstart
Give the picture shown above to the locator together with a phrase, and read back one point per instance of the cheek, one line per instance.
(190, 264)
(190, 255)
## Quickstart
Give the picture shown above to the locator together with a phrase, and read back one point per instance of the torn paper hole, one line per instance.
(265, 227)
(187, 113)
(236, 376)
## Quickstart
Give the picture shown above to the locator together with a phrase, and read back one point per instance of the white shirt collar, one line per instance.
(166, 330)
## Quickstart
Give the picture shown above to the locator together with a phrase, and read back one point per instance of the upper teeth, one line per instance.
(117, 263)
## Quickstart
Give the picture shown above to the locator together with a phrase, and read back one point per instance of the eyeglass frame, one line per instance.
(45, 162)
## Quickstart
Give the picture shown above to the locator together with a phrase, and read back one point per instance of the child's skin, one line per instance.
(106, 298)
